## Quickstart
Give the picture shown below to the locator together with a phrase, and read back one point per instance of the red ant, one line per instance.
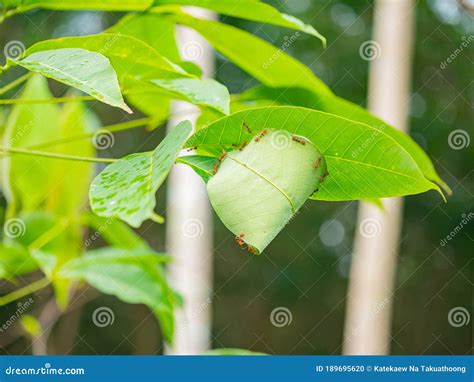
(261, 135)
(220, 159)
(252, 249)
(240, 240)
(243, 245)
(244, 124)
(223, 155)
(317, 163)
(191, 149)
(323, 178)
(298, 140)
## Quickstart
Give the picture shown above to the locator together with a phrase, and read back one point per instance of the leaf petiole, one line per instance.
(15, 83)
(55, 155)
(111, 128)
(25, 291)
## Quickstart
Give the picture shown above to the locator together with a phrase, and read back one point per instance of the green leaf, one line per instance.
(204, 166)
(363, 162)
(15, 261)
(350, 110)
(30, 125)
(113, 231)
(257, 190)
(268, 64)
(250, 10)
(31, 325)
(136, 64)
(154, 104)
(68, 195)
(122, 50)
(126, 189)
(88, 71)
(93, 5)
(199, 92)
(157, 32)
(339, 106)
(135, 277)
(51, 243)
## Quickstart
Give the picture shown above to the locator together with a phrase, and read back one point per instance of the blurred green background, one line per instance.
(306, 268)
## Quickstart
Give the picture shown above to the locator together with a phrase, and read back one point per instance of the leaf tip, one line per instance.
(125, 107)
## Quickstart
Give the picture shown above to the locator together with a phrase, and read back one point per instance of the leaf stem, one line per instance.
(157, 218)
(56, 155)
(111, 128)
(15, 83)
(48, 236)
(45, 101)
(15, 11)
(25, 291)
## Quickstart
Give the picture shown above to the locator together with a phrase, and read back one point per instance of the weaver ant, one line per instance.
(243, 245)
(317, 163)
(223, 155)
(261, 135)
(220, 159)
(240, 240)
(244, 124)
(298, 140)
(323, 177)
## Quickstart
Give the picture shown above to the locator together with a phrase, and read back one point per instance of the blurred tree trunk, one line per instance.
(374, 261)
(189, 222)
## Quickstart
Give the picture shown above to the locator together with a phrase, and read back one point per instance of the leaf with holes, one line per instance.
(126, 189)
(87, 71)
(257, 190)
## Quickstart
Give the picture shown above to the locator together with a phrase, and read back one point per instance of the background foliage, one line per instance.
(306, 267)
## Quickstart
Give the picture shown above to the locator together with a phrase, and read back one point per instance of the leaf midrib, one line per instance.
(374, 166)
(95, 90)
(266, 180)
